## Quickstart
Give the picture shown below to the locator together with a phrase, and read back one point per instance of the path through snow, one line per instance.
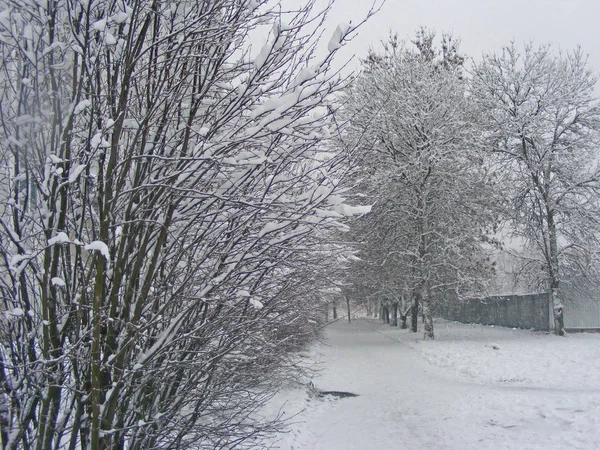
(475, 387)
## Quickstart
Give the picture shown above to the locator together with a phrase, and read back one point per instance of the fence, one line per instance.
(520, 311)
(582, 314)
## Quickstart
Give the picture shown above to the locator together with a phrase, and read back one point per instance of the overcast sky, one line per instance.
(483, 26)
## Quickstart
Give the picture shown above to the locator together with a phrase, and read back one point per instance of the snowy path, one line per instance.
(407, 402)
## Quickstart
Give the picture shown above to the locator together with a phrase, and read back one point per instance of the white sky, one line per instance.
(483, 26)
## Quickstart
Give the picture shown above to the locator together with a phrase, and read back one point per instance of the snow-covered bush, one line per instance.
(164, 202)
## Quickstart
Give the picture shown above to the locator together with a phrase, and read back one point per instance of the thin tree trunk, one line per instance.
(395, 315)
(348, 306)
(335, 310)
(403, 313)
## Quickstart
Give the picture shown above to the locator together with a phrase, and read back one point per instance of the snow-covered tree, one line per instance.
(543, 130)
(410, 112)
(165, 200)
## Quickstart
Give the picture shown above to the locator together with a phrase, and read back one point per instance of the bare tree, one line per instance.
(543, 129)
(164, 207)
(421, 164)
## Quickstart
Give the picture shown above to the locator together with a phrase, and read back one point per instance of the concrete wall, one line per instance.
(582, 314)
(515, 311)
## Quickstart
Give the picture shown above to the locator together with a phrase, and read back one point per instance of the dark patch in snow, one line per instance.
(338, 394)
(315, 392)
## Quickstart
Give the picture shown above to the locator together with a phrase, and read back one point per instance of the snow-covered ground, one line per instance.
(474, 387)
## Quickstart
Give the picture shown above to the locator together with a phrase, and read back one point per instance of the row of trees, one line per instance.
(170, 203)
(451, 157)
(165, 210)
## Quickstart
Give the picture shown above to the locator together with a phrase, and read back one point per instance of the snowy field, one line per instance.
(475, 387)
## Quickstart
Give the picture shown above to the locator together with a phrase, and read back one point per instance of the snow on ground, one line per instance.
(474, 387)
(488, 354)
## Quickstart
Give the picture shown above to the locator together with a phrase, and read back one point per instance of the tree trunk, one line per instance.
(403, 318)
(395, 315)
(414, 314)
(334, 309)
(403, 313)
(555, 300)
(348, 306)
(557, 310)
(428, 321)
